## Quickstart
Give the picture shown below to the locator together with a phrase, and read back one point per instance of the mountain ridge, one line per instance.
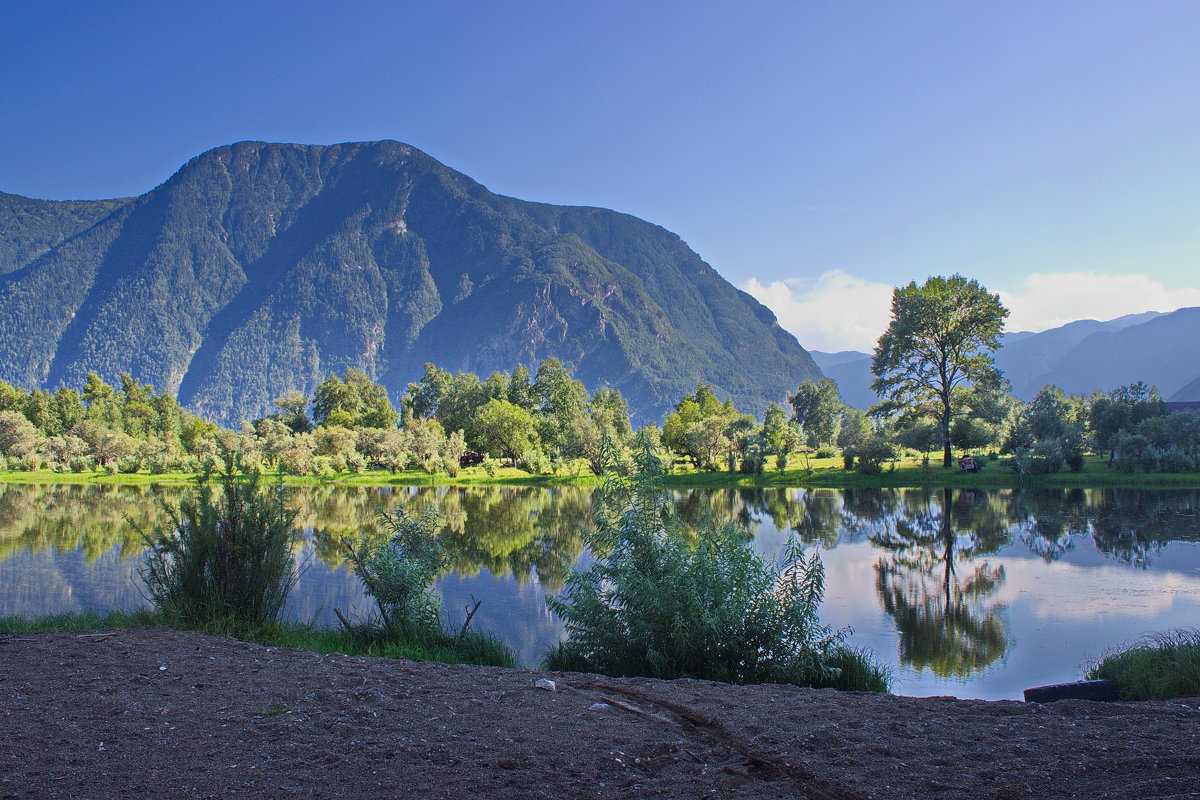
(1079, 357)
(257, 268)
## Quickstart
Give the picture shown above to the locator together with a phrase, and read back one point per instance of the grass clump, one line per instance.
(73, 621)
(1158, 667)
(666, 601)
(224, 555)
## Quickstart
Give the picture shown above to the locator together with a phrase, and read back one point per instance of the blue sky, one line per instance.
(814, 153)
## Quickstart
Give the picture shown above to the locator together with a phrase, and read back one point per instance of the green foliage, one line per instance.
(18, 437)
(869, 455)
(702, 428)
(506, 429)
(398, 574)
(935, 358)
(1159, 667)
(818, 409)
(667, 601)
(224, 554)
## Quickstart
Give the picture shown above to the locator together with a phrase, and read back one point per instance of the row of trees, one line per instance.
(101, 425)
(937, 384)
(939, 387)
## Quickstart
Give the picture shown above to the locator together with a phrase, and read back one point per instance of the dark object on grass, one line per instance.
(1076, 690)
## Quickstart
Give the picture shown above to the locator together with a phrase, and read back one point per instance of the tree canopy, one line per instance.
(936, 353)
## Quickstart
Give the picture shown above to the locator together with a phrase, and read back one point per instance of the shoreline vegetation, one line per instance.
(822, 473)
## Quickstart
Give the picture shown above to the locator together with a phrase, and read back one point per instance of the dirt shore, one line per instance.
(166, 714)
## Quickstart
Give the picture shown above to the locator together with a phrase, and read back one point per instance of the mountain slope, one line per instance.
(259, 268)
(1163, 352)
(1027, 359)
(1079, 357)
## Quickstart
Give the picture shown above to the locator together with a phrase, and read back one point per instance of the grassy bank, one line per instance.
(819, 472)
(475, 648)
(1159, 667)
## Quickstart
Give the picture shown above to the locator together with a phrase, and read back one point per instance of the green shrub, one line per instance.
(666, 601)
(1158, 667)
(1175, 461)
(491, 466)
(399, 573)
(129, 465)
(1134, 452)
(869, 454)
(31, 463)
(399, 576)
(533, 461)
(80, 464)
(223, 555)
(295, 461)
(826, 452)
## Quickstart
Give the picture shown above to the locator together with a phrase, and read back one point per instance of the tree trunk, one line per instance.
(947, 455)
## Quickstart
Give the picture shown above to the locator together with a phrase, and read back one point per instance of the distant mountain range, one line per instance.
(1080, 357)
(260, 268)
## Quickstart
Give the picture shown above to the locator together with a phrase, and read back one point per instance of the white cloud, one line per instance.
(836, 311)
(839, 311)
(1049, 299)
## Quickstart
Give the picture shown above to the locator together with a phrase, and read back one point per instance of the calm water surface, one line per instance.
(973, 594)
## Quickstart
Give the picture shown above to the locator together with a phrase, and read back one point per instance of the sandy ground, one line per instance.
(166, 714)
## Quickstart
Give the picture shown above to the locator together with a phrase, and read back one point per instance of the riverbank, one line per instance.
(158, 713)
(826, 473)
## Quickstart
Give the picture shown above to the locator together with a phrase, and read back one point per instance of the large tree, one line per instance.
(818, 410)
(937, 350)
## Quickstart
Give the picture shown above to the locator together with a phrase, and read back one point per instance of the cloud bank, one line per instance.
(835, 311)
(1049, 299)
(838, 311)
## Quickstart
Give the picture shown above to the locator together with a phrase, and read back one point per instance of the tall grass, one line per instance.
(666, 601)
(224, 554)
(1158, 667)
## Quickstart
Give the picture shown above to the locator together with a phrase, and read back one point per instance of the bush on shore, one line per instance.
(666, 601)
(223, 555)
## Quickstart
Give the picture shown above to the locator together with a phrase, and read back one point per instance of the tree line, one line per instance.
(938, 388)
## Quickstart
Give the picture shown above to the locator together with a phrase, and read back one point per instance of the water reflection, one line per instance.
(938, 559)
(933, 576)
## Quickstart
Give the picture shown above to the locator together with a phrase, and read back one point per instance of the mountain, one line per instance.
(1079, 357)
(1163, 351)
(851, 371)
(1028, 359)
(260, 268)
(1190, 393)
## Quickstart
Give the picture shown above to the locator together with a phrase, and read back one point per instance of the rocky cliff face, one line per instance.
(259, 268)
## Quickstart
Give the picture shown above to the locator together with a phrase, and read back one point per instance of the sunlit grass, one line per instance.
(826, 473)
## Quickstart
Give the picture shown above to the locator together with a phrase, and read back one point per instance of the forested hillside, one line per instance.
(259, 269)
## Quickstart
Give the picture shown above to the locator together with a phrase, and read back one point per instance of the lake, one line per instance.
(965, 593)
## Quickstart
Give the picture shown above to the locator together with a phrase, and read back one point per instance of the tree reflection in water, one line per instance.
(934, 580)
(936, 573)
